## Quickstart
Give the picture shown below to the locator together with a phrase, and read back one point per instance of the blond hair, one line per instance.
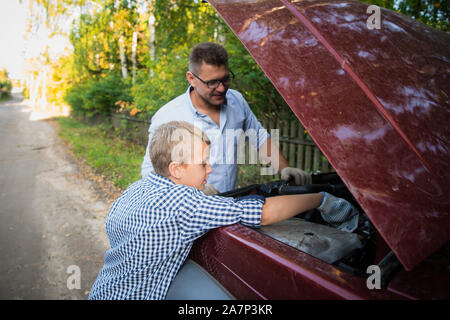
(166, 147)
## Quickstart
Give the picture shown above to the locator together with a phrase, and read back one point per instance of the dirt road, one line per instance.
(52, 234)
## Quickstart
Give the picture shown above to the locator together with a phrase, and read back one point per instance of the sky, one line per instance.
(13, 46)
(12, 29)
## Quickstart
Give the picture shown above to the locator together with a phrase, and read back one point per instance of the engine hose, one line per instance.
(315, 188)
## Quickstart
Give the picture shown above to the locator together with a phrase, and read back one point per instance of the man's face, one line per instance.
(214, 97)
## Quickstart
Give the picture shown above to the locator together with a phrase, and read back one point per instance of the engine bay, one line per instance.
(309, 233)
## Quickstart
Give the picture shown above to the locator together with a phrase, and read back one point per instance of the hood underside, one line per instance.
(375, 101)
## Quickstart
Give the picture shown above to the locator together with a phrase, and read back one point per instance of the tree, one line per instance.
(147, 42)
(435, 13)
(5, 84)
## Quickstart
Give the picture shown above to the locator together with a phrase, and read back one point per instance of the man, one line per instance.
(214, 108)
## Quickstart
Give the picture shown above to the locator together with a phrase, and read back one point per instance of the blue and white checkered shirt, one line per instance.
(151, 228)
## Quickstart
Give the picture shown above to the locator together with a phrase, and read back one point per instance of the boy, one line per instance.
(154, 223)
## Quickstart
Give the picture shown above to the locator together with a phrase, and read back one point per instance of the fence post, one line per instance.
(293, 131)
(284, 148)
(308, 155)
(325, 166)
(317, 161)
(300, 147)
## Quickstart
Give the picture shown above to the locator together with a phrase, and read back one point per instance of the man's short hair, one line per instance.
(209, 53)
(167, 142)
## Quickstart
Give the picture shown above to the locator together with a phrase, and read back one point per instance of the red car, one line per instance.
(376, 101)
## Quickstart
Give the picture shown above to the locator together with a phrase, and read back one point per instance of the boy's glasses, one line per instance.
(213, 84)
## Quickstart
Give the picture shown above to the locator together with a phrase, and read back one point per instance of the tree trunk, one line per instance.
(151, 41)
(219, 35)
(133, 56)
(123, 58)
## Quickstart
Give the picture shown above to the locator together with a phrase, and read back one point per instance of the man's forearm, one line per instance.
(280, 208)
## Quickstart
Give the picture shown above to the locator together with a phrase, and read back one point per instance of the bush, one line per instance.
(93, 97)
(168, 81)
(5, 88)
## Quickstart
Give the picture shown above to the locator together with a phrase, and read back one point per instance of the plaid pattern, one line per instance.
(151, 228)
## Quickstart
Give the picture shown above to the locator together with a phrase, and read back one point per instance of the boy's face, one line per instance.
(195, 173)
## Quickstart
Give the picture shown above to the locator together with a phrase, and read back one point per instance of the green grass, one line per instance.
(116, 159)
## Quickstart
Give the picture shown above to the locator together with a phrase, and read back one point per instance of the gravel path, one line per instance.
(52, 233)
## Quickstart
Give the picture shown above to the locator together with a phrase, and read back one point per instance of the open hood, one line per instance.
(376, 102)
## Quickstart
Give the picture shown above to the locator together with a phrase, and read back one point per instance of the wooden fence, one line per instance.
(295, 144)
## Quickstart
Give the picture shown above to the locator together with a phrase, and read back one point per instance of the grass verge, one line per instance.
(116, 159)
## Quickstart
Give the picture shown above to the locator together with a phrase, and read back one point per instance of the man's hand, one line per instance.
(209, 190)
(301, 177)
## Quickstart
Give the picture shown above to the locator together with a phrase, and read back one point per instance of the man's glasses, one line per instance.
(213, 84)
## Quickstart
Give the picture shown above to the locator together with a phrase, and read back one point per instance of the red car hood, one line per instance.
(376, 102)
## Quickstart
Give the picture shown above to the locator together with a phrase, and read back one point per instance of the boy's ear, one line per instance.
(174, 170)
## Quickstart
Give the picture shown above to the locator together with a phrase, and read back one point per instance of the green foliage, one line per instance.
(100, 96)
(190, 23)
(164, 77)
(112, 37)
(435, 13)
(5, 88)
(169, 80)
(5, 84)
(60, 78)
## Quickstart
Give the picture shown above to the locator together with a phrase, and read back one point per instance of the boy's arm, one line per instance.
(280, 208)
(200, 213)
(333, 210)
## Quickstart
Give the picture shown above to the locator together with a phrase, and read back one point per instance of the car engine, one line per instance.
(309, 233)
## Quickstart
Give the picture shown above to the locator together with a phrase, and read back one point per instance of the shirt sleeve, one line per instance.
(201, 213)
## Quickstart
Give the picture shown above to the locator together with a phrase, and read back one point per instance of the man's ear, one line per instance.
(190, 79)
(174, 170)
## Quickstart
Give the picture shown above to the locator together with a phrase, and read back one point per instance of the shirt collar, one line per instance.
(191, 105)
(160, 180)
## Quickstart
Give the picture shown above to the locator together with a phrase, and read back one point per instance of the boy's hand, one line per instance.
(338, 212)
(301, 177)
(209, 190)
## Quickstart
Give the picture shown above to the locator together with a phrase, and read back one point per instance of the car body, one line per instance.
(376, 102)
